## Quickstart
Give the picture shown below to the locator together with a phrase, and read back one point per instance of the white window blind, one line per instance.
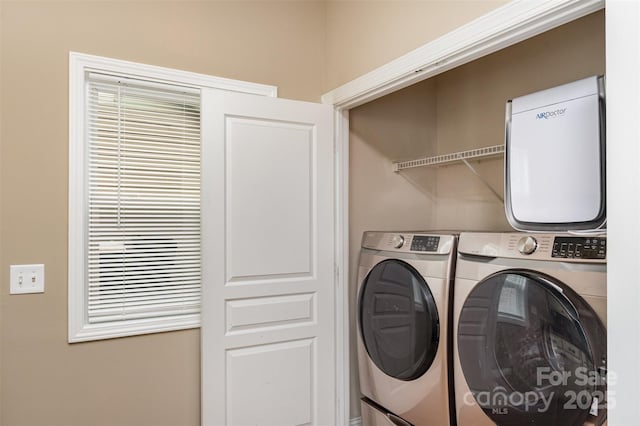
(143, 200)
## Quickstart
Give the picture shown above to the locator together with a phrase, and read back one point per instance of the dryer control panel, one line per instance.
(425, 243)
(409, 242)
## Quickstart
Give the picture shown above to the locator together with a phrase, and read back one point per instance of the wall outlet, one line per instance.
(26, 279)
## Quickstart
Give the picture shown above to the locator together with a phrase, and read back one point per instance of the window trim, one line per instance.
(79, 65)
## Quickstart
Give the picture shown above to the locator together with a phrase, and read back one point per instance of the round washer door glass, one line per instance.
(532, 351)
(398, 320)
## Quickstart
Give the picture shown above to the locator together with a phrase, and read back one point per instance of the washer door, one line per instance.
(398, 320)
(532, 351)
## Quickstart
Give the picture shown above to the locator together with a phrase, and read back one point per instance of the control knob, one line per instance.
(397, 241)
(527, 245)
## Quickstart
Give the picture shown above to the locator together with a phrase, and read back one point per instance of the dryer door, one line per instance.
(532, 351)
(398, 320)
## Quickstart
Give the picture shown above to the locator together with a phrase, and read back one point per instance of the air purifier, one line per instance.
(555, 158)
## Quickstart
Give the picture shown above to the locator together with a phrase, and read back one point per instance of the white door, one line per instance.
(268, 335)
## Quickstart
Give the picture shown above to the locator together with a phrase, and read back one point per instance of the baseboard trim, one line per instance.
(356, 421)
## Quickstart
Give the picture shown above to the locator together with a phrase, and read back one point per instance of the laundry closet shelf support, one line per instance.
(454, 157)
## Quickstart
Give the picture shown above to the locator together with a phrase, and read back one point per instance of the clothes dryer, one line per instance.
(530, 340)
(403, 316)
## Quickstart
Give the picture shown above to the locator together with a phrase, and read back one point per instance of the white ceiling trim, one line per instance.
(503, 27)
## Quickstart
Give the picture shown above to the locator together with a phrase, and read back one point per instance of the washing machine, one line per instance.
(403, 316)
(530, 341)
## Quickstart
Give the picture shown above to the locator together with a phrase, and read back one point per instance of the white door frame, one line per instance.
(503, 27)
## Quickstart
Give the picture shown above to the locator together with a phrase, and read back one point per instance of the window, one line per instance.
(134, 197)
(143, 200)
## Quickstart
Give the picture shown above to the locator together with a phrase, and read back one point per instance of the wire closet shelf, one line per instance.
(438, 160)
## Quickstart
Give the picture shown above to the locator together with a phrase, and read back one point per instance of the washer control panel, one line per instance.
(563, 247)
(579, 248)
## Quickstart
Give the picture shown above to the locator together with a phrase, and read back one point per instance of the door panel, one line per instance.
(259, 392)
(268, 338)
(265, 312)
(270, 170)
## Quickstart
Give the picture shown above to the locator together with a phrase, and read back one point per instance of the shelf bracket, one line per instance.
(483, 180)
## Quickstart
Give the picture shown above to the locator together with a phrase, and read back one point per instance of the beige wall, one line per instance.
(459, 110)
(149, 380)
(363, 35)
